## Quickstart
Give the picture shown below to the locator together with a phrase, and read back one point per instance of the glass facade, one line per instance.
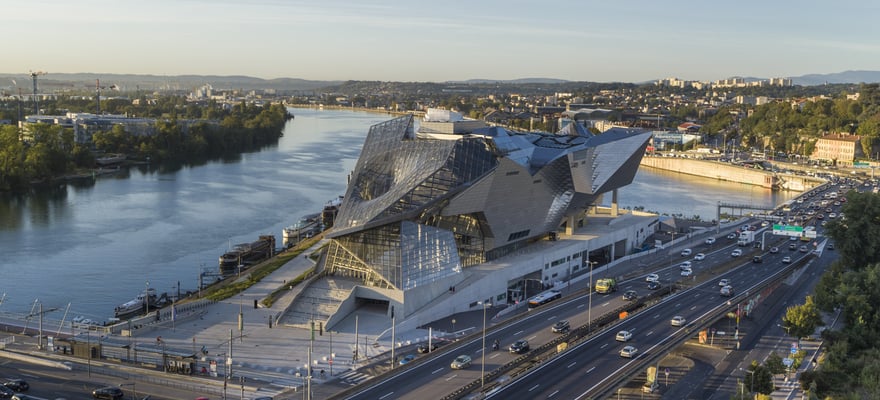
(422, 208)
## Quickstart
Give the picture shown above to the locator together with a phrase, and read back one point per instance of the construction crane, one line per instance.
(98, 88)
(34, 75)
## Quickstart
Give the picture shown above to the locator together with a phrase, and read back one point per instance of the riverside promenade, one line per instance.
(272, 359)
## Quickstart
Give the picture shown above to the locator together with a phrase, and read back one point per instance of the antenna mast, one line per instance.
(34, 75)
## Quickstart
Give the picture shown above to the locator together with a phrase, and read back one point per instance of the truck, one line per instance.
(606, 285)
(746, 238)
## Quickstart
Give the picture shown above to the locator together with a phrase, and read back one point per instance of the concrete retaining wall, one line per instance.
(714, 170)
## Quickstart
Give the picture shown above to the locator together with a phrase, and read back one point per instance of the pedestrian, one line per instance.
(322, 373)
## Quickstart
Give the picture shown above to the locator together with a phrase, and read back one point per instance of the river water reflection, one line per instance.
(96, 245)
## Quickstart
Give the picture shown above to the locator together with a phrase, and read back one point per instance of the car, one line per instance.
(830, 246)
(724, 282)
(6, 393)
(18, 385)
(792, 246)
(630, 295)
(774, 250)
(628, 351)
(727, 291)
(461, 362)
(110, 393)
(678, 320)
(686, 252)
(699, 257)
(736, 253)
(423, 348)
(731, 236)
(710, 240)
(561, 326)
(24, 397)
(519, 346)
(757, 259)
(650, 387)
(685, 265)
(792, 238)
(803, 249)
(746, 227)
(653, 285)
(652, 278)
(407, 358)
(623, 336)
(687, 272)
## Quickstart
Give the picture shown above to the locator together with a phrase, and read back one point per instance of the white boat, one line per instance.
(110, 159)
(137, 305)
(306, 227)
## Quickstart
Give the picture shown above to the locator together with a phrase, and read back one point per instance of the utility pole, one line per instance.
(392, 338)
(309, 367)
(356, 340)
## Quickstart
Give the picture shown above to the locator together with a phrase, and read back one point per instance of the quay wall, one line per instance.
(713, 170)
(734, 173)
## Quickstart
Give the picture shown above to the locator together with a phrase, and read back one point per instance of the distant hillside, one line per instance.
(838, 77)
(512, 81)
(131, 82)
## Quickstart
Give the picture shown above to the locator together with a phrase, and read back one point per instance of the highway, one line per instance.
(432, 377)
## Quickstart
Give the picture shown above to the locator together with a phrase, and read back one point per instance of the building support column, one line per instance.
(614, 210)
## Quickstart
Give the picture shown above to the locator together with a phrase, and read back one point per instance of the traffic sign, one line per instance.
(788, 230)
(788, 362)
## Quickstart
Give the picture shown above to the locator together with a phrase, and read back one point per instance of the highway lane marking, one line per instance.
(677, 305)
(693, 308)
(552, 394)
(604, 345)
(389, 394)
(534, 387)
(582, 305)
(649, 333)
(590, 370)
(572, 364)
(657, 316)
(451, 377)
(516, 334)
(531, 337)
(437, 370)
(494, 355)
(606, 304)
(551, 318)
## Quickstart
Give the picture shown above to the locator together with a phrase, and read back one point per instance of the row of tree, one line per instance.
(849, 365)
(50, 151)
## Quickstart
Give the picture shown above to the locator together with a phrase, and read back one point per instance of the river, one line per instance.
(91, 247)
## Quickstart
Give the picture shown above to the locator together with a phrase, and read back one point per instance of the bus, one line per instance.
(544, 298)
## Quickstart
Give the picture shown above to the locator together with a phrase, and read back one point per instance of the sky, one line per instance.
(436, 41)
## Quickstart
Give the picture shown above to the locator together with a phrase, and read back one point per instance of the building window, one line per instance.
(518, 235)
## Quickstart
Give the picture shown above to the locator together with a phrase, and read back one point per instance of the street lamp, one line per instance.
(590, 306)
(483, 362)
(133, 389)
(751, 381)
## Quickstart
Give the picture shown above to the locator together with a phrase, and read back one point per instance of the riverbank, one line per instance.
(733, 173)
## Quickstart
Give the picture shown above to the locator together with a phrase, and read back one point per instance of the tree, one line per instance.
(774, 364)
(759, 378)
(802, 320)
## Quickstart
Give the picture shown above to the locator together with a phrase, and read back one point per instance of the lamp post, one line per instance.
(590, 306)
(147, 299)
(133, 389)
(483, 362)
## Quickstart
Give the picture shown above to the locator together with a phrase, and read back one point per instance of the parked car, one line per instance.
(461, 362)
(650, 387)
(519, 347)
(628, 351)
(623, 336)
(423, 348)
(561, 326)
(407, 358)
(630, 295)
(109, 393)
(678, 320)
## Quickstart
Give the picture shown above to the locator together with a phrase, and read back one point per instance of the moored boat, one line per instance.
(139, 305)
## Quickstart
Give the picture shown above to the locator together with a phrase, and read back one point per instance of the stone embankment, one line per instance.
(733, 173)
